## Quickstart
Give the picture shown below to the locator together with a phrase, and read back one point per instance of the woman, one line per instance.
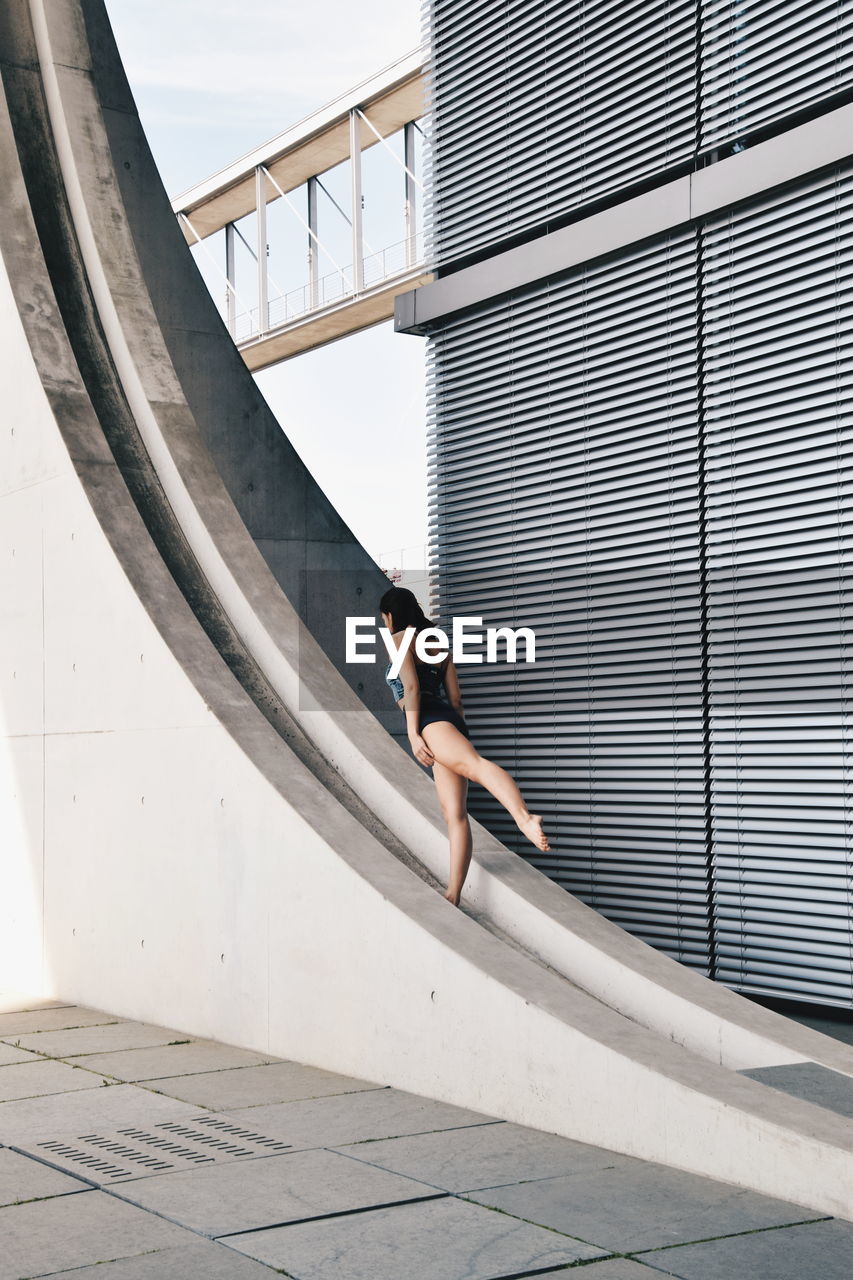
(439, 737)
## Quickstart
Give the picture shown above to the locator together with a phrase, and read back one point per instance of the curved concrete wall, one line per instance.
(196, 847)
(323, 569)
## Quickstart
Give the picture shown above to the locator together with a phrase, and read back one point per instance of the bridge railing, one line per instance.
(335, 287)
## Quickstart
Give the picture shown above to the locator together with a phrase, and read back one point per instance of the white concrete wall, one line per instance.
(31, 466)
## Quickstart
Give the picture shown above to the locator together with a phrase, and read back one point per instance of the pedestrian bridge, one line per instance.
(227, 221)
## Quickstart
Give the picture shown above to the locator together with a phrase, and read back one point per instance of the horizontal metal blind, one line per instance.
(538, 106)
(778, 387)
(564, 460)
(762, 60)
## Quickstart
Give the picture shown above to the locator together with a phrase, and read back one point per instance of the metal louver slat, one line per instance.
(571, 505)
(780, 552)
(536, 108)
(761, 61)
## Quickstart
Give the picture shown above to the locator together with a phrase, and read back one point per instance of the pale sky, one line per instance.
(214, 80)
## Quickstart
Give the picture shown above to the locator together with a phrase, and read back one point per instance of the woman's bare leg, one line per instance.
(452, 791)
(452, 749)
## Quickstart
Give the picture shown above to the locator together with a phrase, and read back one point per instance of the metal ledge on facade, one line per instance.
(826, 140)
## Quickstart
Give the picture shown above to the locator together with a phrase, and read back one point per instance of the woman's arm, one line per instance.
(451, 684)
(412, 703)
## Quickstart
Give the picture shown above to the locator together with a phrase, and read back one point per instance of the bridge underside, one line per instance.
(328, 324)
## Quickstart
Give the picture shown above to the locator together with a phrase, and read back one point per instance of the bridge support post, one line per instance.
(411, 193)
(357, 233)
(313, 241)
(231, 277)
(263, 259)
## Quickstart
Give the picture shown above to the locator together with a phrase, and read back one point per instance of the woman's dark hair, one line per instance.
(404, 609)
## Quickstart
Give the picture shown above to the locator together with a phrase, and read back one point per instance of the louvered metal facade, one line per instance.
(539, 107)
(566, 450)
(778, 376)
(762, 60)
(646, 460)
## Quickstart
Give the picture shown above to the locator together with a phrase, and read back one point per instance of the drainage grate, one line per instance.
(135, 1152)
(236, 1130)
(77, 1157)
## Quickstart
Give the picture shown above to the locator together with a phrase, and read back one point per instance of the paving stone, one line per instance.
(441, 1240)
(201, 1260)
(50, 1018)
(811, 1081)
(356, 1117)
(272, 1189)
(24, 1179)
(486, 1156)
(21, 1123)
(640, 1206)
(105, 1038)
(72, 1231)
(817, 1251)
(41, 1076)
(9, 1054)
(170, 1060)
(16, 1002)
(251, 1086)
(606, 1269)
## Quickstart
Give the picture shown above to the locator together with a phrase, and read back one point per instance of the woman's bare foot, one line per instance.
(452, 896)
(531, 826)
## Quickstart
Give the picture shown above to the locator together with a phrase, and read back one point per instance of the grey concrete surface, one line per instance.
(9, 1054)
(248, 1194)
(386, 1186)
(640, 1206)
(102, 1038)
(72, 1231)
(253, 1086)
(440, 1240)
(836, 1023)
(44, 1076)
(488, 1156)
(23, 1178)
(610, 1269)
(77, 1112)
(49, 1018)
(356, 1117)
(816, 1251)
(19, 1002)
(811, 1081)
(290, 518)
(200, 1260)
(170, 1060)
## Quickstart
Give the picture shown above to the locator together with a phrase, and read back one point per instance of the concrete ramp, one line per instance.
(204, 824)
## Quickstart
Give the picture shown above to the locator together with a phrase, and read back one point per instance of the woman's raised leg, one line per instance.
(453, 750)
(452, 791)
